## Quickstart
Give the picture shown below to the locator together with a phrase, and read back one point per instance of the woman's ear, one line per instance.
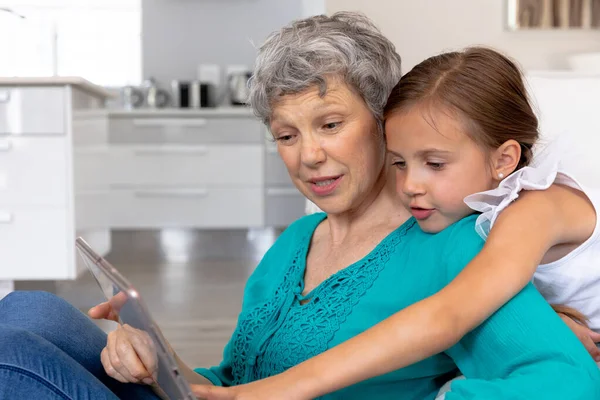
(506, 159)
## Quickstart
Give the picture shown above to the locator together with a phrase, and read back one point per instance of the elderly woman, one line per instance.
(320, 85)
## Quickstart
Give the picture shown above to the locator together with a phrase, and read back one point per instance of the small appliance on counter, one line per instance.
(239, 91)
(132, 97)
(192, 94)
(156, 97)
(148, 95)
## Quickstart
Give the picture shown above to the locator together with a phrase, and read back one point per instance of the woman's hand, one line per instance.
(588, 337)
(130, 356)
(110, 309)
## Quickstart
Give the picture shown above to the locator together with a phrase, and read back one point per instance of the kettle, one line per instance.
(155, 96)
(239, 91)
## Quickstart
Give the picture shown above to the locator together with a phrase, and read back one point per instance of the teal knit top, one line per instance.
(523, 351)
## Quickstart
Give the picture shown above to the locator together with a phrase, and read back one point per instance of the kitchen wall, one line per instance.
(177, 35)
(423, 28)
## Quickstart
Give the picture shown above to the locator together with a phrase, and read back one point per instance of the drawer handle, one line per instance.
(6, 217)
(182, 122)
(283, 192)
(4, 96)
(195, 150)
(5, 145)
(178, 193)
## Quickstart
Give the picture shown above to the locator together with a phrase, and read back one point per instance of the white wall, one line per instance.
(313, 7)
(421, 28)
(177, 35)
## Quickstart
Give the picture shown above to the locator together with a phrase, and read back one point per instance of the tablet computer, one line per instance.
(130, 308)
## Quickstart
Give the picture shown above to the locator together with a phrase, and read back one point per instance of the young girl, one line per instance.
(459, 125)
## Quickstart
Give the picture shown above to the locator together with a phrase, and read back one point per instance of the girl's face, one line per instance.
(437, 165)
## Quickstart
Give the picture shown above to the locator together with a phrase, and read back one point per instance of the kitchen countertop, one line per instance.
(82, 83)
(183, 113)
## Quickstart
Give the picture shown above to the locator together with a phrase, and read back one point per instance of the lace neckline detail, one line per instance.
(281, 333)
(401, 230)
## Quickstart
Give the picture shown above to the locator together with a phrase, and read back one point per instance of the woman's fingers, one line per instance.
(101, 311)
(123, 357)
(146, 352)
(108, 368)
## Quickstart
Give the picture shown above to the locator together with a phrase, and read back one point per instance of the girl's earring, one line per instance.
(500, 175)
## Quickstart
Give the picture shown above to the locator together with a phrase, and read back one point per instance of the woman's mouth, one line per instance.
(325, 186)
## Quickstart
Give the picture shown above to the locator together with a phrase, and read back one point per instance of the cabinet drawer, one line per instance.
(92, 210)
(283, 206)
(92, 169)
(184, 130)
(89, 128)
(32, 111)
(33, 170)
(215, 165)
(189, 208)
(34, 244)
(276, 173)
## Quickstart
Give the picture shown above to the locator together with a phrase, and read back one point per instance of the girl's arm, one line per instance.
(521, 236)
(523, 352)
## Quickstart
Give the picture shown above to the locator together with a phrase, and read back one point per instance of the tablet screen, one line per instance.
(129, 308)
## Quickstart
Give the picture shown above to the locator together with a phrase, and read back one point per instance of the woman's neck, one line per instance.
(381, 209)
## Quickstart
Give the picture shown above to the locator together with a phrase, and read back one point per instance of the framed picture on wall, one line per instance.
(553, 14)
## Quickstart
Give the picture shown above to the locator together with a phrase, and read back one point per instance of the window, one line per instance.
(99, 40)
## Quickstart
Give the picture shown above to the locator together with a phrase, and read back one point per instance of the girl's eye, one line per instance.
(436, 165)
(399, 164)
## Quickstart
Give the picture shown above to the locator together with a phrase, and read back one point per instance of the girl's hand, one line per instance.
(588, 337)
(273, 388)
(242, 392)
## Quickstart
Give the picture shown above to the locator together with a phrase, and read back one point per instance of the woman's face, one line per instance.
(330, 145)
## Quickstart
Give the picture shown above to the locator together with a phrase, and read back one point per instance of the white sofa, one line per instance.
(568, 106)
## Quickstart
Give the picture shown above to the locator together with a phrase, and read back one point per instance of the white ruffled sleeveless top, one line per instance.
(573, 280)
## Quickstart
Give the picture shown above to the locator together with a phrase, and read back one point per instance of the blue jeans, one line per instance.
(50, 350)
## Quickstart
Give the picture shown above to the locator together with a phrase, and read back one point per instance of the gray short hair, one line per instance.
(346, 45)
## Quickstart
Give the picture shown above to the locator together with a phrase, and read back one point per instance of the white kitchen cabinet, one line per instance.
(187, 165)
(283, 202)
(33, 170)
(186, 168)
(187, 127)
(34, 243)
(32, 110)
(47, 128)
(209, 168)
(198, 207)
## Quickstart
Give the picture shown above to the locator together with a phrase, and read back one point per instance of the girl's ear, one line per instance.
(506, 159)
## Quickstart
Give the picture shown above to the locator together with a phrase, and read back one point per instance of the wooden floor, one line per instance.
(192, 282)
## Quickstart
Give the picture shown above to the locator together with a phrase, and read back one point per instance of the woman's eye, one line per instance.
(331, 125)
(399, 164)
(285, 138)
